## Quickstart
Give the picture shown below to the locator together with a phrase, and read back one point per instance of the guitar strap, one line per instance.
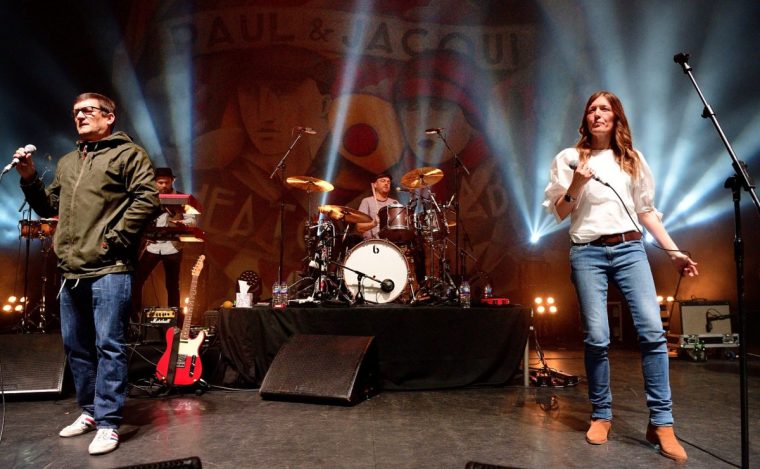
(172, 368)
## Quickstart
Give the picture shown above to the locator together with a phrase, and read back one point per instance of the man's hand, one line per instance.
(25, 166)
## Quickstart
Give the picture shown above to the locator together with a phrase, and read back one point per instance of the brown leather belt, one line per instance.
(609, 240)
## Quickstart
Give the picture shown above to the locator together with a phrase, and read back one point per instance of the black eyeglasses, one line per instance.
(88, 111)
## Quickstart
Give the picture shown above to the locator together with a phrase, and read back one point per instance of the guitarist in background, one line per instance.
(104, 193)
(168, 253)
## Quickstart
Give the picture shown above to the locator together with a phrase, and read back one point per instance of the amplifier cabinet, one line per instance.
(701, 318)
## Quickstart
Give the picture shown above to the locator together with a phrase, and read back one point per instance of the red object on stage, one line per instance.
(180, 365)
(495, 301)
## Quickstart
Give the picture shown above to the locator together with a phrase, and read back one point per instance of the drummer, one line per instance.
(381, 189)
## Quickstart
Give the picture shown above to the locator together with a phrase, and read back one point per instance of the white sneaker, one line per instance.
(105, 441)
(85, 423)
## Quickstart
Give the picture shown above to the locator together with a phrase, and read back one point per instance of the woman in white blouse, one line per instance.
(606, 215)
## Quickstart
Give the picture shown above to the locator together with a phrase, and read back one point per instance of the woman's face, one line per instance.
(430, 112)
(600, 119)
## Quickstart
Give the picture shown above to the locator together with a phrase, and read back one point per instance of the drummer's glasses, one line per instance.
(88, 111)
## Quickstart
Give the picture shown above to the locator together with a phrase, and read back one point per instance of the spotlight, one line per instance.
(539, 300)
(541, 309)
(660, 298)
(553, 309)
(670, 299)
(23, 299)
(550, 300)
(19, 308)
(7, 308)
(12, 299)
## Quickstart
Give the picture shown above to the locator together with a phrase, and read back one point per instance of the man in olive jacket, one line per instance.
(104, 193)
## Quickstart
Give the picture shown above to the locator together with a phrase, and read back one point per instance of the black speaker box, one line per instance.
(323, 369)
(32, 363)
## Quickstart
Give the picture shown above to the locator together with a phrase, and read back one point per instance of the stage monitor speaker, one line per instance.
(701, 317)
(323, 368)
(32, 363)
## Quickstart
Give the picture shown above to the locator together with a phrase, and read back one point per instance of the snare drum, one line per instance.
(394, 224)
(47, 227)
(379, 260)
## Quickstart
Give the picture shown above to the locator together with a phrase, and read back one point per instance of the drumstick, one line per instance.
(374, 199)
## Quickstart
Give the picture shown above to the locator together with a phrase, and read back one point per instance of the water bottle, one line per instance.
(464, 294)
(487, 291)
(284, 294)
(276, 295)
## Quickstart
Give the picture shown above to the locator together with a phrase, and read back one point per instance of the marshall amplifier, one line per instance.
(154, 323)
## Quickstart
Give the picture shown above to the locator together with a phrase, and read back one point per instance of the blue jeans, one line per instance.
(625, 264)
(94, 320)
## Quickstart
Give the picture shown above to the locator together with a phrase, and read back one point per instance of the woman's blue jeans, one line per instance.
(94, 321)
(625, 264)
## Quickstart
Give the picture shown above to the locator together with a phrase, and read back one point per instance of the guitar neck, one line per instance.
(185, 334)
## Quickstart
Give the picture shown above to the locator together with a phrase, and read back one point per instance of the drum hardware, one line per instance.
(42, 229)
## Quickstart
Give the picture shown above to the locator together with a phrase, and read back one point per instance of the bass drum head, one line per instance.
(381, 260)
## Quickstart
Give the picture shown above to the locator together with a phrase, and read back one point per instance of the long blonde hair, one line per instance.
(621, 143)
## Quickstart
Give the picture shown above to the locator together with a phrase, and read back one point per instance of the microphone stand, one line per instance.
(457, 165)
(281, 169)
(741, 179)
(359, 298)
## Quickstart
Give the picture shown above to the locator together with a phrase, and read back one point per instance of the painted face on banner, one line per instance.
(271, 109)
(426, 112)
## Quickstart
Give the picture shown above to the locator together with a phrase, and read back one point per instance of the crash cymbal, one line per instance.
(421, 177)
(307, 183)
(347, 214)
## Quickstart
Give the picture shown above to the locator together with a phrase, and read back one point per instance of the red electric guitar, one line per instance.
(181, 350)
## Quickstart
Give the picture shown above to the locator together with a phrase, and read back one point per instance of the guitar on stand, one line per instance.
(180, 365)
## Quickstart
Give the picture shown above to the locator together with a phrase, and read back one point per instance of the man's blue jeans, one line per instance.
(625, 264)
(94, 320)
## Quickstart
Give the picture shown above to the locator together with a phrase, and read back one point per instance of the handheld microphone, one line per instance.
(387, 285)
(27, 149)
(435, 130)
(306, 130)
(574, 165)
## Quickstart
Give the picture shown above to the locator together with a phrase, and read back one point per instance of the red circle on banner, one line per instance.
(360, 139)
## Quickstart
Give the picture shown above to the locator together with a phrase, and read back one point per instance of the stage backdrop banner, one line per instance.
(418, 347)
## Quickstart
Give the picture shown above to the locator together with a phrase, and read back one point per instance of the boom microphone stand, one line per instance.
(281, 169)
(740, 179)
(457, 165)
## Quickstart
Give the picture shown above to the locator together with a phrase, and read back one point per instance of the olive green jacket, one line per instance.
(104, 194)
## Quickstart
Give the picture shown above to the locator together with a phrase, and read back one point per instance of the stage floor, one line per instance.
(510, 426)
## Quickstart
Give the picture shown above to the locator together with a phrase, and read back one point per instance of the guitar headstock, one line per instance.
(198, 265)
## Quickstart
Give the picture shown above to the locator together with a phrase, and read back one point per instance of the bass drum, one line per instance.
(380, 260)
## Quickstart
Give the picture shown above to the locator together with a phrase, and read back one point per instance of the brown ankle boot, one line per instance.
(598, 431)
(665, 437)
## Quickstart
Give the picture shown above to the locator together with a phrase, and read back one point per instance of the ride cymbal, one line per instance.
(421, 177)
(307, 183)
(347, 214)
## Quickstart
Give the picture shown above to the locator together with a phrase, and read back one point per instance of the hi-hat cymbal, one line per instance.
(348, 214)
(308, 183)
(421, 177)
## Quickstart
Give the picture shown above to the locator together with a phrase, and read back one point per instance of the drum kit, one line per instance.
(340, 267)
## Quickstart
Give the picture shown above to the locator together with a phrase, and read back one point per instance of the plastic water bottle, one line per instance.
(276, 295)
(487, 291)
(464, 294)
(284, 295)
